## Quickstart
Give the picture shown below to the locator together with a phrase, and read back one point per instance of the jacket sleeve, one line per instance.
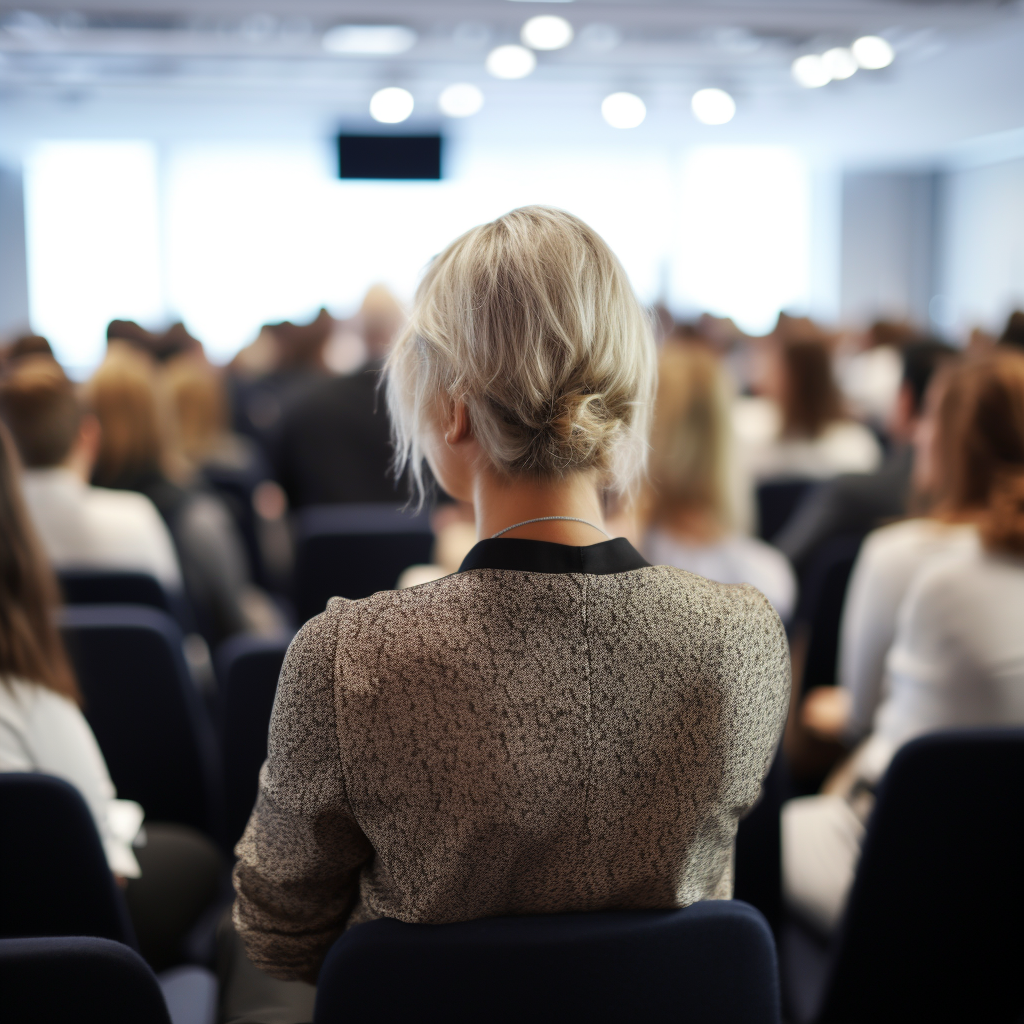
(296, 877)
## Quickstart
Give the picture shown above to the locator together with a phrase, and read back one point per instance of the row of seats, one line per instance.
(932, 931)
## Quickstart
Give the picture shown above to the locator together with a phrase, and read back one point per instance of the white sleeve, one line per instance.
(59, 742)
(867, 630)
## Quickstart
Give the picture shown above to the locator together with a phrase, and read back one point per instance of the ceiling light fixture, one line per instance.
(623, 110)
(873, 52)
(546, 32)
(391, 105)
(840, 63)
(713, 106)
(810, 71)
(461, 100)
(510, 61)
(369, 39)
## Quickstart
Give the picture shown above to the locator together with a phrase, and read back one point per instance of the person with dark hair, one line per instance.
(956, 659)
(1013, 334)
(854, 503)
(334, 444)
(799, 427)
(80, 526)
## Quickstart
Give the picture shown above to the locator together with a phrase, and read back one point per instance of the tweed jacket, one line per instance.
(550, 729)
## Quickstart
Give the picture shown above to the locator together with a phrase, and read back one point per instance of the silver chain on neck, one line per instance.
(545, 519)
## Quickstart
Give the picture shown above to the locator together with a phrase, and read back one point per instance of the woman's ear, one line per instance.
(457, 426)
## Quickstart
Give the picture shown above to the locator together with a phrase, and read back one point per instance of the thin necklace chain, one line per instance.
(545, 519)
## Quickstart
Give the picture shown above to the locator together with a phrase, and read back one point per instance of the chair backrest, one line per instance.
(354, 551)
(102, 586)
(76, 979)
(777, 501)
(822, 595)
(148, 717)
(54, 878)
(933, 929)
(248, 669)
(712, 962)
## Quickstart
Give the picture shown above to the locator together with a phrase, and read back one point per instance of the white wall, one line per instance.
(227, 236)
(887, 247)
(13, 271)
(981, 266)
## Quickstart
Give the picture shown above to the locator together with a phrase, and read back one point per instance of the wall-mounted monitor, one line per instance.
(396, 157)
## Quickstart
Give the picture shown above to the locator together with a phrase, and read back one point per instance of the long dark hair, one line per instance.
(30, 646)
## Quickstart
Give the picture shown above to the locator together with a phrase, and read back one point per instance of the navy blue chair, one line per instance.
(54, 878)
(248, 669)
(932, 931)
(354, 551)
(148, 717)
(822, 596)
(712, 962)
(45, 980)
(102, 586)
(777, 500)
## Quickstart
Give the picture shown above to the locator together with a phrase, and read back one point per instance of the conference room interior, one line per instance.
(215, 219)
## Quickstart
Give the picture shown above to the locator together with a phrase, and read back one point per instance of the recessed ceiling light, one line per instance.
(623, 110)
(839, 62)
(510, 61)
(391, 105)
(713, 106)
(546, 32)
(461, 100)
(810, 71)
(379, 39)
(873, 52)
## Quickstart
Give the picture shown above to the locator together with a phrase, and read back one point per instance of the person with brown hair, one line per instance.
(133, 456)
(80, 526)
(41, 726)
(688, 507)
(799, 427)
(957, 657)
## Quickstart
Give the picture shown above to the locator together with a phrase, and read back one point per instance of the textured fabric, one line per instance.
(507, 742)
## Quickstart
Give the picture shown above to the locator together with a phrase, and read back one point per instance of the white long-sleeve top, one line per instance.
(888, 561)
(958, 657)
(97, 528)
(41, 731)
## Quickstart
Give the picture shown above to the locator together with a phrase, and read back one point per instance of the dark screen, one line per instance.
(389, 156)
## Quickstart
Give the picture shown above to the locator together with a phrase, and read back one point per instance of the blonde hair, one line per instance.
(690, 441)
(198, 402)
(123, 394)
(531, 322)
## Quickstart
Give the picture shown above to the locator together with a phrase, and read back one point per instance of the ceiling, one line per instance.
(214, 66)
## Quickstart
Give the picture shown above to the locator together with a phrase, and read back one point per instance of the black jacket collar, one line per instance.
(609, 556)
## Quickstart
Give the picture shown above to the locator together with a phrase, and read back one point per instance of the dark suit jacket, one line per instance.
(334, 445)
(853, 503)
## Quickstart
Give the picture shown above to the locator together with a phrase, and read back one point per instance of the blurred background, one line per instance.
(178, 161)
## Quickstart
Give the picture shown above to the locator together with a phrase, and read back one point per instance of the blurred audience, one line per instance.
(799, 428)
(80, 526)
(133, 456)
(334, 444)
(171, 872)
(854, 503)
(938, 601)
(688, 511)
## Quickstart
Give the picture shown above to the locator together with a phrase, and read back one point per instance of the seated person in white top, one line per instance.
(958, 656)
(688, 509)
(80, 526)
(798, 428)
(172, 879)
